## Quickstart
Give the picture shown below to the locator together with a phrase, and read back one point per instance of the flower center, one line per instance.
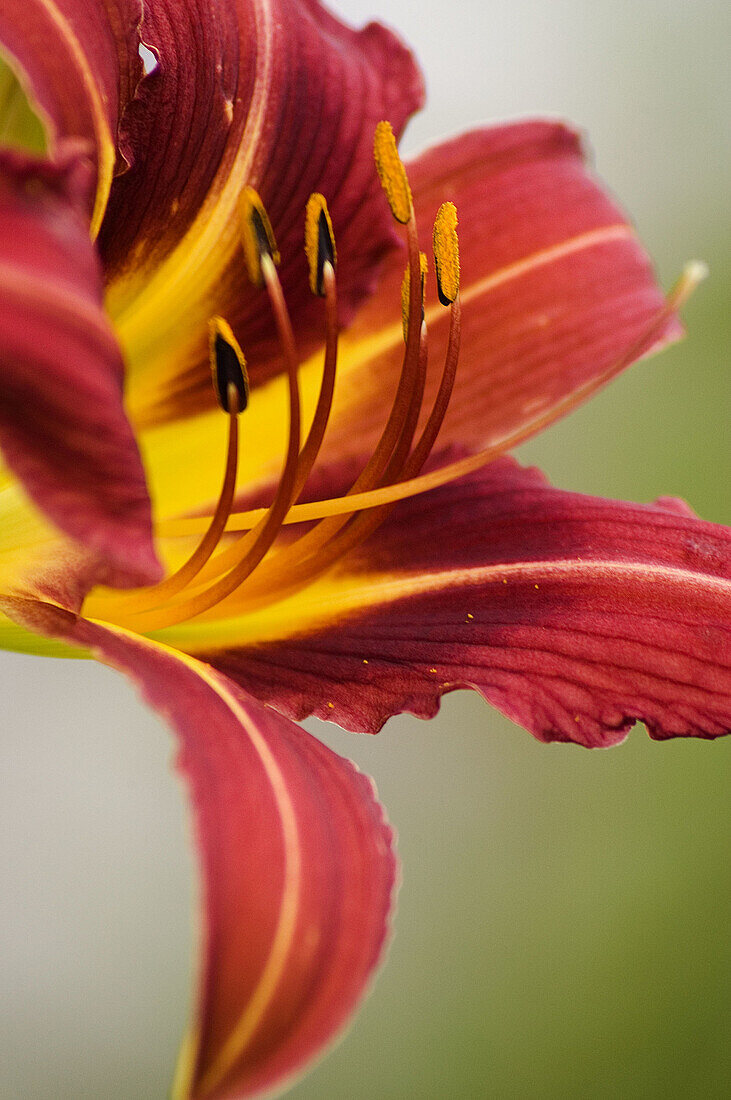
(258, 567)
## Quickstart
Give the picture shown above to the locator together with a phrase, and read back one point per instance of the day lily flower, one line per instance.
(258, 517)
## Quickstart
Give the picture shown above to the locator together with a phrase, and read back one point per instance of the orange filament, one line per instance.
(316, 434)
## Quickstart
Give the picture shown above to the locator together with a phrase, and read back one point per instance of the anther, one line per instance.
(319, 242)
(446, 253)
(257, 237)
(228, 367)
(406, 294)
(392, 173)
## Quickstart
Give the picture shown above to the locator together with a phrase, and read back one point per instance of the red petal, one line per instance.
(283, 97)
(81, 62)
(297, 864)
(574, 615)
(63, 429)
(555, 288)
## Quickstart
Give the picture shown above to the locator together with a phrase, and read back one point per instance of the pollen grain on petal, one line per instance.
(228, 367)
(319, 242)
(257, 236)
(446, 253)
(392, 173)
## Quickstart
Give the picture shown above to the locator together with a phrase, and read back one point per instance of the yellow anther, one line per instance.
(392, 173)
(228, 367)
(319, 241)
(406, 294)
(257, 237)
(446, 253)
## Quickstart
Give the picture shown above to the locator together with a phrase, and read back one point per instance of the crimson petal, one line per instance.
(296, 857)
(280, 96)
(574, 615)
(63, 429)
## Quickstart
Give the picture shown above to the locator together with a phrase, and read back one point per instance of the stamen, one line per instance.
(392, 173)
(446, 253)
(287, 563)
(319, 242)
(322, 258)
(423, 448)
(229, 559)
(389, 454)
(257, 237)
(395, 440)
(393, 471)
(315, 549)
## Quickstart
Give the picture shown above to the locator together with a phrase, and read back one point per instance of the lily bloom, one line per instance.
(321, 523)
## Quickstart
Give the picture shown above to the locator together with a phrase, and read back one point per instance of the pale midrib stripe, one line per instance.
(400, 587)
(105, 142)
(292, 885)
(212, 231)
(590, 239)
(391, 336)
(334, 598)
(291, 891)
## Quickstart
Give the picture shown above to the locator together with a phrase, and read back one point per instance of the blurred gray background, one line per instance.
(563, 920)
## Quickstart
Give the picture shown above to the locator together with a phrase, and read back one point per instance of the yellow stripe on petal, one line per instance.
(153, 334)
(331, 600)
(106, 152)
(283, 939)
(321, 603)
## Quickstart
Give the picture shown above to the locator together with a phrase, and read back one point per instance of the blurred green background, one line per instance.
(563, 921)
